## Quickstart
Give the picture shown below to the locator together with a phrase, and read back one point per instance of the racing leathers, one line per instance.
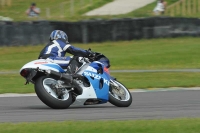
(56, 50)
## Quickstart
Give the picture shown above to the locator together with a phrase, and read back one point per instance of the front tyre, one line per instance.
(49, 94)
(119, 95)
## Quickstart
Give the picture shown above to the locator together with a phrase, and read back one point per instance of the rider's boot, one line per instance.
(67, 79)
(77, 88)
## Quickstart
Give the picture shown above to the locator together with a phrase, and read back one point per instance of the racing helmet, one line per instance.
(56, 34)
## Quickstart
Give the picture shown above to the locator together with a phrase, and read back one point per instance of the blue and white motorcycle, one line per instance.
(84, 82)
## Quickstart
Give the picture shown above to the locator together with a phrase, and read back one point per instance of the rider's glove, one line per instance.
(91, 55)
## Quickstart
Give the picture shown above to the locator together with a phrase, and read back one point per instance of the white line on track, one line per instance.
(17, 95)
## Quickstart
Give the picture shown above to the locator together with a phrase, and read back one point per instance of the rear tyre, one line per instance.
(119, 95)
(47, 94)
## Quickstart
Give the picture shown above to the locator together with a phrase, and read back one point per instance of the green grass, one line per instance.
(61, 10)
(130, 126)
(141, 54)
(158, 79)
(14, 83)
(187, 8)
(146, 11)
(136, 54)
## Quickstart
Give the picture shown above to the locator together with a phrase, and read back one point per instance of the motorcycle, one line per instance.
(86, 81)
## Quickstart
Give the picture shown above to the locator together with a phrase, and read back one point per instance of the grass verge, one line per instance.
(14, 83)
(137, 54)
(140, 126)
(158, 79)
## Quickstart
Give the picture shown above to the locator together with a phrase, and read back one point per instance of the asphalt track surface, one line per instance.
(145, 105)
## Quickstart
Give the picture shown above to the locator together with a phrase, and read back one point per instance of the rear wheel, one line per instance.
(56, 98)
(119, 95)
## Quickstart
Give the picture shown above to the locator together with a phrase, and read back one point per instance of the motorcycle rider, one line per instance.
(58, 46)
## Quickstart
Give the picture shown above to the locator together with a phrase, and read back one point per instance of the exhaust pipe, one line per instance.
(60, 76)
(66, 78)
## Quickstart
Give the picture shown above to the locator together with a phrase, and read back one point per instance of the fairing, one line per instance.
(90, 71)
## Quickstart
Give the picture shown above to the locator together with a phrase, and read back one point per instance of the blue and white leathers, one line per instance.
(55, 51)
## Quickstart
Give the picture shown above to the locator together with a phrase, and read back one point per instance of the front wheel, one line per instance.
(119, 95)
(56, 98)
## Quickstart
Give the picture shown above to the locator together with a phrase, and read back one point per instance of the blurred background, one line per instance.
(140, 34)
(97, 20)
(151, 44)
(74, 10)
